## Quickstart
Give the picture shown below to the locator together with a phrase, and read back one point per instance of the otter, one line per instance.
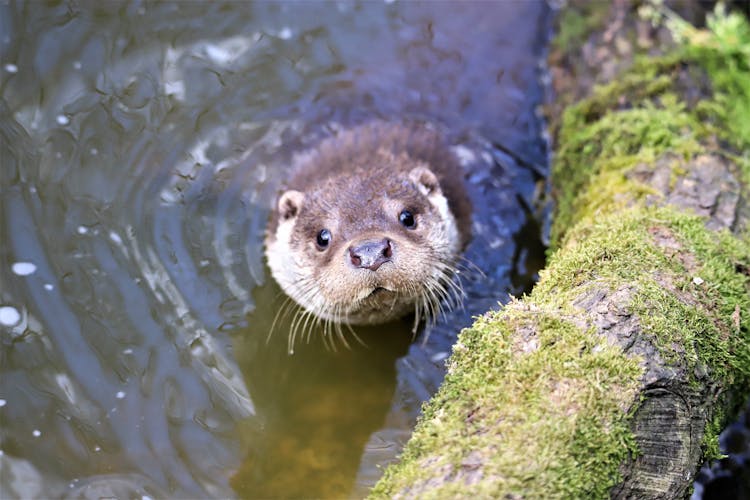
(371, 225)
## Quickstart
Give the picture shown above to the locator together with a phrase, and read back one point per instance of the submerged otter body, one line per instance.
(371, 225)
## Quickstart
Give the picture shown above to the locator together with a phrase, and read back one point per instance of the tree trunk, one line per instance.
(614, 377)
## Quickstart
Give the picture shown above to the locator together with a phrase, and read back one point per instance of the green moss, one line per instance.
(640, 116)
(555, 406)
(711, 447)
(576, 24)
(646, 80)
(723, 50)
(573, 30)
(615, 142)
(619, 249)
(726, 291)
(726, 57)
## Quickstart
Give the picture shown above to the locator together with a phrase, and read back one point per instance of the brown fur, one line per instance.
(362, 148)
(355, 185)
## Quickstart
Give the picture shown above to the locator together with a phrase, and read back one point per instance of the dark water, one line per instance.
(142, 144)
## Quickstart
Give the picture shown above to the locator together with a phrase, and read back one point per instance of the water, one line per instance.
(142, 145)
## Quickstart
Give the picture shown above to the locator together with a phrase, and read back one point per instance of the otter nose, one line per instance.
(371, 254)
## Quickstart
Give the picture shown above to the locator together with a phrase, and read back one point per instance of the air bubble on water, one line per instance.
(36, 433)
(82, 230)
(218, 54)
(120, 395)
(11, 68)
(464, 154)
(65, 384)
(49, 286)
(439, 356)
(9, 316)
(175, 88)
(23, 268)
(3, 403)
(169, 196)
(62, 120)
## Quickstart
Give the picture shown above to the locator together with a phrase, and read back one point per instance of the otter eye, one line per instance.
(407, 219)
(323, 239)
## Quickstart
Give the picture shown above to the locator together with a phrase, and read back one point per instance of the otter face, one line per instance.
(367, 246)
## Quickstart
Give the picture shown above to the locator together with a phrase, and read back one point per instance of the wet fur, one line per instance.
(355, 184)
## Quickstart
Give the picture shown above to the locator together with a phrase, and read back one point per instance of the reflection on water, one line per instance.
(333, 400)
(141, 145)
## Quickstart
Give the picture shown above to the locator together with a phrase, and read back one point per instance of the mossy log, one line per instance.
(615, 375)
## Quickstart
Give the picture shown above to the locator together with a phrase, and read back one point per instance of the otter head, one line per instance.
(367, 246)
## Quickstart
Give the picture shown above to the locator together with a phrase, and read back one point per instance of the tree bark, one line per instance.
(614, 377)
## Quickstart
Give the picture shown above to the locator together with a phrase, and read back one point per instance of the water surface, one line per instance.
(141, 147)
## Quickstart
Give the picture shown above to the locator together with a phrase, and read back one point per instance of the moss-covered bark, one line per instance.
(615, 375)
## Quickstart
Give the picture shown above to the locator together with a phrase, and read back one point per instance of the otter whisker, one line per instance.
(285, 308)
(310, 321)
(453, 288)
(453, 279)
(354, 334)
(300, 313)
(327, 334)
(429, 302)
(436, 294)
(428, 328)
(417, 313)
(302, 324)
(331, 324)
(453, 294)
(307, 322)
(441, 296)
(465, 265)
(340, 335)
(336, 327)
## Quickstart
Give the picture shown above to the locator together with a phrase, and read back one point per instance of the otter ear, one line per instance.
(425, 180)
(290, 203)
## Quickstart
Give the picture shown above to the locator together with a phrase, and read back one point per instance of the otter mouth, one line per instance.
(377, 303)
(379, 296)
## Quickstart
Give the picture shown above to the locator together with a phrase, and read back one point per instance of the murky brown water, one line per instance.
(141, 146)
